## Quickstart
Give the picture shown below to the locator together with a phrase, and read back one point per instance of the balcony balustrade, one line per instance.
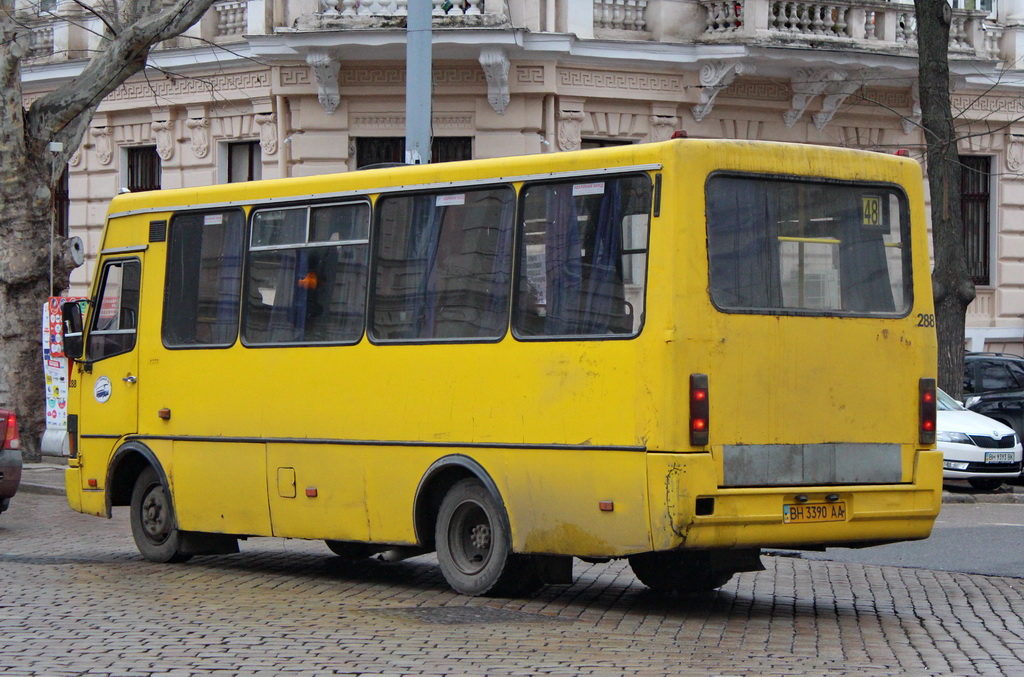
(389, 8)
(870, 25)
(874, 26)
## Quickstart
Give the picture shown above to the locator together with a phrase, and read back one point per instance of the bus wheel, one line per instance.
(677, 573)
(152, 518)
(474, 545)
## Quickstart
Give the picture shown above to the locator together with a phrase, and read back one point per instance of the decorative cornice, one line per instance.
(181, 87)
(530, 75)
(569, 125)
(986, 104)
(662, 127)
(267, 123)
(326, 67)
(104, 144)
(641, 82)
(200, 136)
(495, 63)
(714, 77)
(397, 121)
(164, 132)
(808, 83)
(835, 94)
(1014, 152)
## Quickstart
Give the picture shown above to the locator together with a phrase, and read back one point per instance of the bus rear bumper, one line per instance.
(88, 501)
(700, 514)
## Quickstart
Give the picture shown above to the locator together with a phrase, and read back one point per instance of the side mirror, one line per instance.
(71, 318)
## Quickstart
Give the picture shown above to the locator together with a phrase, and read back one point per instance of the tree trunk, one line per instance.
(30, 167)
(25, 227)
(951, 278)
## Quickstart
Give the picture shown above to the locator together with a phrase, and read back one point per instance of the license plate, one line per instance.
(799, 513)
(998, 457)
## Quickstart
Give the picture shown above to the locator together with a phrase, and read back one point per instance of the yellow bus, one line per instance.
(678, 353)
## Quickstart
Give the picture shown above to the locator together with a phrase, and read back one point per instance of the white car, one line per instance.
(974, 447)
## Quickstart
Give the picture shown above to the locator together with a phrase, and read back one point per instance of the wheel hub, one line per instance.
(154, 515)
(480, 536)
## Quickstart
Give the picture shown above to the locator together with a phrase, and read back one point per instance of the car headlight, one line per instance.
(957, 438)
(955, 465)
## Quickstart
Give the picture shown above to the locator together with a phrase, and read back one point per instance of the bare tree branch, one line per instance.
(125, 55)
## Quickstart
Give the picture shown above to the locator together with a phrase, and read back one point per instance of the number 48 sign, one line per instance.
(871, 210)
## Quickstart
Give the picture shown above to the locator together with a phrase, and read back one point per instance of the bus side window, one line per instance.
(583, 258)
(307, 275)
(204, 275)
(443, 263)
(116, 320)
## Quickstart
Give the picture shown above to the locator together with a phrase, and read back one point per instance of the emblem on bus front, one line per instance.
(102, 389)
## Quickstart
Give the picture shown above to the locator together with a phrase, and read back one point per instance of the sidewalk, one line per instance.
(47, 477)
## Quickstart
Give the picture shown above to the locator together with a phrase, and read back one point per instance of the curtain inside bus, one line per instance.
(803, 246)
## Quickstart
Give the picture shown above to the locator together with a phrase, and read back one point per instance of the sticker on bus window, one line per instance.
(588, 189)
(450, 200)
(213, 220)
(871, 211)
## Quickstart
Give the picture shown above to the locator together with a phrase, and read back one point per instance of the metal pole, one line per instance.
(418, 59)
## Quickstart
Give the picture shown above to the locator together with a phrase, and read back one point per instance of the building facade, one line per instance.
(263, 89)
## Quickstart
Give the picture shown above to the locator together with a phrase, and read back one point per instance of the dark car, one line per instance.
(10, 458)
(994, 386)
(985, 372)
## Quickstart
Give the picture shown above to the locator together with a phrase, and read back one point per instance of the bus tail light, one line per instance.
(700, 422)
(927, 407)
(11, 439)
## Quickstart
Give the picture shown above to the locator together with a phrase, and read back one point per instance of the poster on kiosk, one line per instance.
(55, 369)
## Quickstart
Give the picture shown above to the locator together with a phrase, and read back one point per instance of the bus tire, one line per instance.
(474, 545)
(154, 526)
(677, 573)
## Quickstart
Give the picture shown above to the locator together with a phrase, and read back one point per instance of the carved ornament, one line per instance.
(200, 136)
(495, 63)
(325, 68)
(714, 77)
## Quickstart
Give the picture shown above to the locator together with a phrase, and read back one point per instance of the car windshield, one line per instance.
(947, 403)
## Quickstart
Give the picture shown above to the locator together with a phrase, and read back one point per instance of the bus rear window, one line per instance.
(795, 246)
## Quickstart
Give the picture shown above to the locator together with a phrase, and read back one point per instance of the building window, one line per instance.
(976, 197)
(586, 144)
(143, 169)
(244, 161)
(62, 205)
(372, 150)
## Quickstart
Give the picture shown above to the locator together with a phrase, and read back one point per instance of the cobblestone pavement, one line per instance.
(77, 599)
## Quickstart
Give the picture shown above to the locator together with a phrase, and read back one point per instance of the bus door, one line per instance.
(108, 386)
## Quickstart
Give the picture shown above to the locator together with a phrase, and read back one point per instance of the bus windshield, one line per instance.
(785, 246)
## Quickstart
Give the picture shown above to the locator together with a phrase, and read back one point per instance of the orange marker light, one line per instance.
(606, 506)
(311, 492)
